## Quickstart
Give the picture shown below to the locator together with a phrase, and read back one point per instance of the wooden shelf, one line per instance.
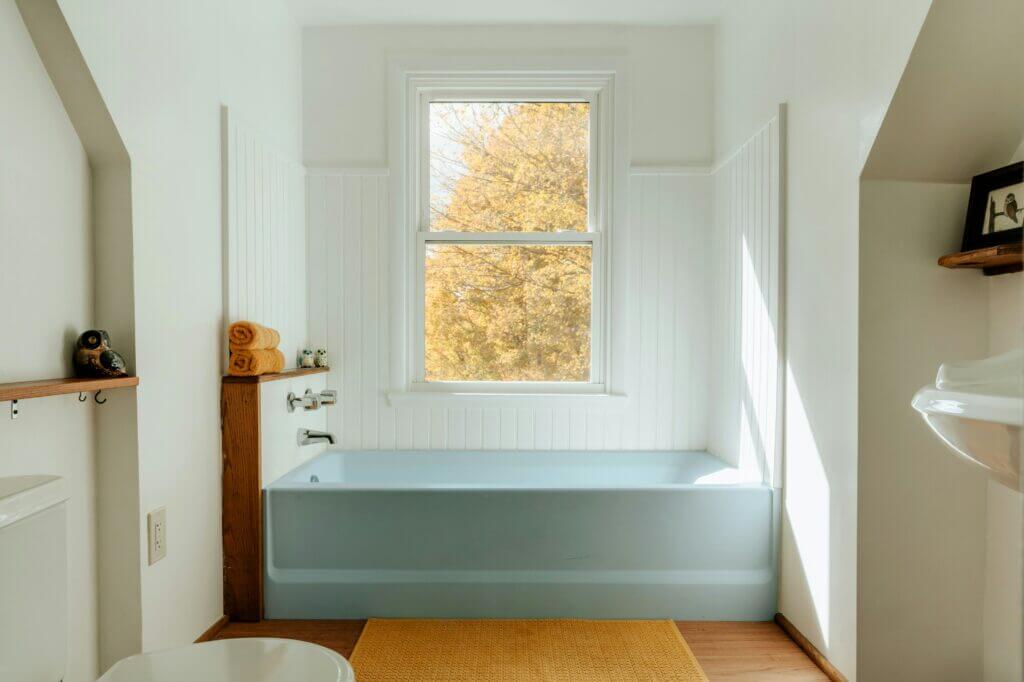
(24, 390)
(287, 374)
(994, 260)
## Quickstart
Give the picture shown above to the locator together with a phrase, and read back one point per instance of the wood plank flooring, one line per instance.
(743, 652)
(728, 651)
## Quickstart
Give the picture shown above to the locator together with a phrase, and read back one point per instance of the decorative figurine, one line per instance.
(95, 358)
(321, 357)
(307, 359)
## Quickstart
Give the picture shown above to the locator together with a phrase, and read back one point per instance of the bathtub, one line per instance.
(519, 535)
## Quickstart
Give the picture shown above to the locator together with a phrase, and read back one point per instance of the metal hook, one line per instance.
(82, 397)
(97, 397)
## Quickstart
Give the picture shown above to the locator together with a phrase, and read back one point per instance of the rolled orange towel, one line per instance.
(252, 363)
(252, 336)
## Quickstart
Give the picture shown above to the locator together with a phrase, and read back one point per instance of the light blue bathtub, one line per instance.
(493, 534)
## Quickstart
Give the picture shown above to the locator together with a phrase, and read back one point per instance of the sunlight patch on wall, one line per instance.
(807, 504)
(759, 354)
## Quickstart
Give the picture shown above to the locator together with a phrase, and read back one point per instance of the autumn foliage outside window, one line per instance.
(513, 310)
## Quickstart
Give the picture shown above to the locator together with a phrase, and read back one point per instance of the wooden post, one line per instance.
(242, 492)
(242, 514)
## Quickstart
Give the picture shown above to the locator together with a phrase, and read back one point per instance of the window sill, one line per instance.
(616, 401)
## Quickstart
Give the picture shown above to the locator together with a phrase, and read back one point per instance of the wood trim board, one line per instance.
(812, 652)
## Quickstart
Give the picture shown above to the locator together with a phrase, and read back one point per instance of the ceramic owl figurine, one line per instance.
(95, 358)
(306, 359)
(321, 357)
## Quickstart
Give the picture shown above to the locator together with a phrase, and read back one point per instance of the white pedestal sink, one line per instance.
(977, 408)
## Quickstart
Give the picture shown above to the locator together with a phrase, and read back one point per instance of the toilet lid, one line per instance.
(235, 660)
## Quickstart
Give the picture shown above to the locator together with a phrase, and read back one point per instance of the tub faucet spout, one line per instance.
(308, 437)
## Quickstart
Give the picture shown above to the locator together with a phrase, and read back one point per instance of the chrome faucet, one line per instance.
(308, 437)
(309, 402)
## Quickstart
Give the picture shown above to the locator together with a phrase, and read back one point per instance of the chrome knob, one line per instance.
(309, 401)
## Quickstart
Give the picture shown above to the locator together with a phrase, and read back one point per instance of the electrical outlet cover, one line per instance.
(157, 535)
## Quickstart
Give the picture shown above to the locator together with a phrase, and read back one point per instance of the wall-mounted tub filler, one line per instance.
(309, 401)
(309, 437)
(977, 409)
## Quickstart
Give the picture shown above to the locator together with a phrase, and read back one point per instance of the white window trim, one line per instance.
(414, 86)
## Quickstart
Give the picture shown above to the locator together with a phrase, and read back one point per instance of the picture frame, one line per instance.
(995, 210)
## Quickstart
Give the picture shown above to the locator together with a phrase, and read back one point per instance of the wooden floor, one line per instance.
(727, 651)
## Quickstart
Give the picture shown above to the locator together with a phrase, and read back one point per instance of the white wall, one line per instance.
(345, 84)
(903, 561)
(922, 508)
(165, 70)
(665, 376)
(46, 270)
(836, 64)
(1004, 547)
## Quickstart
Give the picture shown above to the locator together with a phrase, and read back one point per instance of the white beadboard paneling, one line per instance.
(747, 300)
(279, 428)
(666, 368)
(265, 237)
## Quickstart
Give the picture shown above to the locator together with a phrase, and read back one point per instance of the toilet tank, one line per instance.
(33, 579)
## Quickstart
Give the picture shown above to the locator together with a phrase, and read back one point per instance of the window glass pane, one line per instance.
(509, 166)
(507, 312)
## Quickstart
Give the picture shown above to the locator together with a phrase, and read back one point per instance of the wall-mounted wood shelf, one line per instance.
(287, 374)
(994, 260)
(24, 390)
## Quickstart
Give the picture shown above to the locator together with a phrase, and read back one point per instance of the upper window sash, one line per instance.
(595, 190)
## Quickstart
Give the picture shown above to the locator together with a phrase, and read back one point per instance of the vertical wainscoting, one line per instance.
(746, 331)
(666, 369)
(265, 236)
(667, 364)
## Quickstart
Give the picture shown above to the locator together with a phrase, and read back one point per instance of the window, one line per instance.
(506, 202)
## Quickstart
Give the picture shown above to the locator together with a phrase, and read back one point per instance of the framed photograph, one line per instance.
(995, 211)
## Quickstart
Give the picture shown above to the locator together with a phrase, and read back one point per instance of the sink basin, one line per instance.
(977, 409)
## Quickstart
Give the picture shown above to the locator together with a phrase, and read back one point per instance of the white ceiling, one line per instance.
(480, 12)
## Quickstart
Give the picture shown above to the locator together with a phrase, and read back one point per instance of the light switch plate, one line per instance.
(157, 535)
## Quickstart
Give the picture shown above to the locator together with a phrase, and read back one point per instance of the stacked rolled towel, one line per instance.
(251, 336)
(254, 350)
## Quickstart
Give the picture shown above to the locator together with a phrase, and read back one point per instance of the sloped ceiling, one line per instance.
(959, 108)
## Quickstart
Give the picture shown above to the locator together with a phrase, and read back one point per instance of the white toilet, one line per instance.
(248, 660)
(33, 615)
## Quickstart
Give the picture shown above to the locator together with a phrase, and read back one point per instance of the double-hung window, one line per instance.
(509, 252)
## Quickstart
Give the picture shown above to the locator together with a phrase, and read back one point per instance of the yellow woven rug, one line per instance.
(524, 651)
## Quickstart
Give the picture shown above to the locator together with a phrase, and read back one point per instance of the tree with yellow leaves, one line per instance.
(508, 312)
